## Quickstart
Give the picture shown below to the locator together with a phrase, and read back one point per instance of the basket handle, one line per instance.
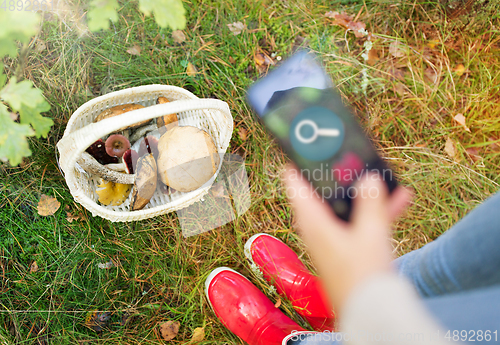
(71, 146)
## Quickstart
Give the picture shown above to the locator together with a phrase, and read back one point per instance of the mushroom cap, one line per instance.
(118, 110)
(187, 159)
(117, 145)
(169, 120)
(111, 193)
(145, 182)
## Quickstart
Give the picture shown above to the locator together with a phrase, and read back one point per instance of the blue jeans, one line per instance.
(458, 275)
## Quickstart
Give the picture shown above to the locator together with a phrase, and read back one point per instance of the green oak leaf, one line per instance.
(16, 26)
(167, 12)
(29, 102)
(32, 116)
(100, 13)
(13, 143)
(16, 94)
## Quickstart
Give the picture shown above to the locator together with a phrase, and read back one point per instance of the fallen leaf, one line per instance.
(47, 205)
(432, 44)
(71, 217)
(169, 329)
(449, 148)
(198, 335)
(372, 57)
(243, 133)
(494, 146)
(232, 60)
(459, 70)
(473, 154)
(107, 265)
(346, 21)
(461, 120)
(34, 267)
(431, 75)
(40, 46)
(278, 303)
(397, 50)
(97, 320)
(191, 70)
(135, 50)
(236, 28)
(178, 36)
(400, 89)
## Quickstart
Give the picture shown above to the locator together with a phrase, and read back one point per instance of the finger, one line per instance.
(399, 200)
(308, 206)
(371, 204)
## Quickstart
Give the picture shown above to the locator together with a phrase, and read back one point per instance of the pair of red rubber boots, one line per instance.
(249, 314)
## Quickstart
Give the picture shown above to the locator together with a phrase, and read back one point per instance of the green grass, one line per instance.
(159, 274)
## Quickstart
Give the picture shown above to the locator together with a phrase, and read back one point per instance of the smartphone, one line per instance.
(298, 104)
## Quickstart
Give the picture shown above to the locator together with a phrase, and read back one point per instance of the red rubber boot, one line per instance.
(282, 268)
(245, 310)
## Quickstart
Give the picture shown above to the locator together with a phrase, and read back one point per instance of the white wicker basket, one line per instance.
(211, 115)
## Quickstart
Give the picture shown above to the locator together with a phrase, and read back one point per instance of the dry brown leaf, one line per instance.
(178, 36)
(243, 133)
(198, 335)
(232, 60)
(459, 70)
(461, 120)
(432, 44)
(449, 148)
(236, 28)
(494, 146)
(431, 75)
(372, 56)
(71, 217)
(400, 89)
(473, 154)
(48, 205)
(33, 267)
(40, 46)
(191, 70)
(169, 329)
(135, 50)
(346, 21)
(278, 303)
(397, 49)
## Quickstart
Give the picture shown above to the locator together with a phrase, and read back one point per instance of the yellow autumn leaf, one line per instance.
(191, 70)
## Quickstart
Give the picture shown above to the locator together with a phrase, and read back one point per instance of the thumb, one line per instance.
(371, 205)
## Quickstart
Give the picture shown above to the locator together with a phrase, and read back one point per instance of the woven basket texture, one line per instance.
(211, 115)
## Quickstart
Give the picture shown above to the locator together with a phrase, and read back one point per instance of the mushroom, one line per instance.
(116, 145)
(111, 193)
(130, 158)
(90, 165)
(118, 110)
(188, 158)
(165, 122)
(145, 183)
(98, 151)
(149, 145)
(139, 133)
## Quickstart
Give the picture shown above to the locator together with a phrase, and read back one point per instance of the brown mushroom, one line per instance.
(149, 145)
(116, 145)
(165, 122)
(90, 165)
(98, 151)
(130, 158)
(145, 182)
(118, 110)
(188, 158)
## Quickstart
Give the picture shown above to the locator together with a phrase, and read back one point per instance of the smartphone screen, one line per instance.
(298, 104)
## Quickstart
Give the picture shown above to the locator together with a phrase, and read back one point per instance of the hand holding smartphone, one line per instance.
(298, 105)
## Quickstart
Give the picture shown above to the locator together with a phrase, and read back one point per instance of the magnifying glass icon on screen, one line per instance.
(317, 132)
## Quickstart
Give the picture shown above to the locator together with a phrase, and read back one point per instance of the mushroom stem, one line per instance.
(119, 167)
(140, 132)
(90, 165)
